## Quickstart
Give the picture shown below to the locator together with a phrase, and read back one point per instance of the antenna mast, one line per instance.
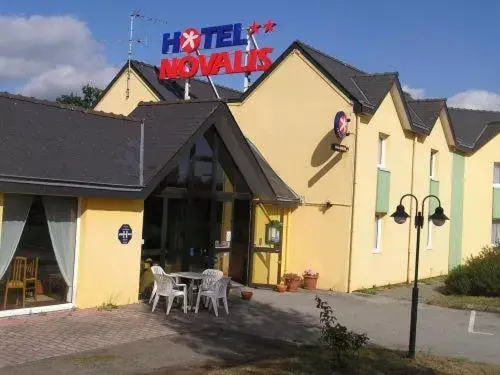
(133, 15)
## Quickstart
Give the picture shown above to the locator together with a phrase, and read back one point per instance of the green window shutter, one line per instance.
(496, 203)
(383, 188)
(434, 190)
(456, 210)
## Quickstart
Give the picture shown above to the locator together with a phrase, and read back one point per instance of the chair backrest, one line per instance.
(210, 278)
(164, 283)
(157, 270)
(18, 269)
(221, 286)
(32, 268)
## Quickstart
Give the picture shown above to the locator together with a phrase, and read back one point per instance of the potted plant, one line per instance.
(246, 295)
(281, 288)
(310, 279)
(292, 281)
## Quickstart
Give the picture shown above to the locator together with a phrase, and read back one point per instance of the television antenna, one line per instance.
(131, 41)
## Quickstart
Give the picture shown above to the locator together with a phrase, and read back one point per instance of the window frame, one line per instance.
(377, 249)
(496, 165)
(430, 227)
(495, 222)
(382, 151)
(433, 166)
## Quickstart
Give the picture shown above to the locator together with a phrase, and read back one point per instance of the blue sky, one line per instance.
(438, 47)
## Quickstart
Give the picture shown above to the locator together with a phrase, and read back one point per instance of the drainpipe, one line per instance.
(412, 179)
(354, 182)
(288, 218)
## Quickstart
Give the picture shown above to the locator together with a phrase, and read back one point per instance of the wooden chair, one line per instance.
(32, 276)
(16, 279)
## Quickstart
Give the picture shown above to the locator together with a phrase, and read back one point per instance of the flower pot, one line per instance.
(281, 288)
(310, 282)
(293, 284)
(246, 295)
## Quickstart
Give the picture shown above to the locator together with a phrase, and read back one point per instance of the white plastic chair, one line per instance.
(210, 277)
(156, 270)
(217, 291)
(166, 286)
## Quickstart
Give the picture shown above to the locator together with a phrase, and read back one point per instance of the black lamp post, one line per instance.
(438, 218)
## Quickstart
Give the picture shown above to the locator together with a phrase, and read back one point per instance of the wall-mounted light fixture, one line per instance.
(273, 232)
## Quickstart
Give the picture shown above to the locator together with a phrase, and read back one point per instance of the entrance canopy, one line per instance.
(172, 128)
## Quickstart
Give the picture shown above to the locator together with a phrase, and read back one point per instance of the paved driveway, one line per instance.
(291, 316)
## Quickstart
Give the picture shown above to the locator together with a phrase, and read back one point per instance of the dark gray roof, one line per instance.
(473, 128)
(56, 145)
(171, 126)
(280, 188)
(425, 112)
(167, 127)
(174, 88)
(366, 89)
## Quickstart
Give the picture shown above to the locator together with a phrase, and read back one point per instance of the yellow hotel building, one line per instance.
(250, 183)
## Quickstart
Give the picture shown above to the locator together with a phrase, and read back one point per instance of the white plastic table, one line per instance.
(193, 277)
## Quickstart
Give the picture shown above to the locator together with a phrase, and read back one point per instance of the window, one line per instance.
(430, 228)
(496, 174)
(433, 165)
(378, 234)
(495, 232)
(382, 145)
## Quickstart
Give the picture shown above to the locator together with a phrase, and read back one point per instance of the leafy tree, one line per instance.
(87, 100)
(407, 95)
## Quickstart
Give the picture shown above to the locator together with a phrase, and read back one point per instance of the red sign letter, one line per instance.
(265, 61)
(188, 66)
(168, 68)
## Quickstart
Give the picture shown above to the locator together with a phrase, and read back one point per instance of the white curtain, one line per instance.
(16, 208)
(61, 215)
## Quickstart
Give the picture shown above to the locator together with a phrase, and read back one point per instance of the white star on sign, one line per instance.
(189, 39)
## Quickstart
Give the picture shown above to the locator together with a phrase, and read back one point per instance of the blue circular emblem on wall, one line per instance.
(125, 234)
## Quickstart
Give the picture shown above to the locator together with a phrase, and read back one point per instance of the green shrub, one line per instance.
(479, 276)
(335, 337)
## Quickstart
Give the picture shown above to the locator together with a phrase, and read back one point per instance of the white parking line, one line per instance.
(472, 320)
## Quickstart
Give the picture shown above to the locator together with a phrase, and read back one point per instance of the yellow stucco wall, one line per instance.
(478, 197)
(108, 271)
(297, 101)
(389, 265)
(433, 258)
(115, 100)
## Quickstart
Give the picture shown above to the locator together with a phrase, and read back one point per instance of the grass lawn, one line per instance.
(433, 292)
(491, 304)
(373, 360)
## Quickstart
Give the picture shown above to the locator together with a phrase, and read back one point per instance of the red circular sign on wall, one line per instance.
(190, 40)
(340, 125)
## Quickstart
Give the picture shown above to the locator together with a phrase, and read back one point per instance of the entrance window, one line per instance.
(191, 217)
(37, 250)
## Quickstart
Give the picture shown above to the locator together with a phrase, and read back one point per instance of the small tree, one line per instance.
(87, 100)
(336, 338)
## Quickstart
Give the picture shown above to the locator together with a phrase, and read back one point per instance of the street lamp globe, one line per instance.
(400, 215)
(438, 218)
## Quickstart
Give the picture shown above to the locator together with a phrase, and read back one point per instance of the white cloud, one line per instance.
(476, 99)
(52, 54)
(415, 93)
